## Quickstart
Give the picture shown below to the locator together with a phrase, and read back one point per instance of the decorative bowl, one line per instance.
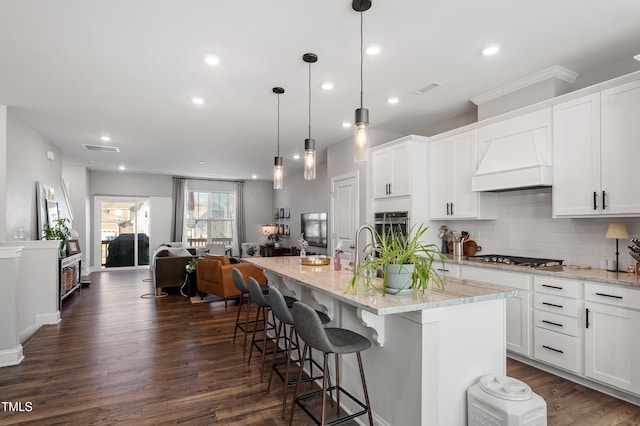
(315, 260)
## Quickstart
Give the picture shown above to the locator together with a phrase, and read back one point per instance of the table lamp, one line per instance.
(617, 230)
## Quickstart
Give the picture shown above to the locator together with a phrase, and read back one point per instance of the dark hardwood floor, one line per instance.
(118, 358)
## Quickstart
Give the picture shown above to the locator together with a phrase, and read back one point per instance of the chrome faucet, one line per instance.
(373, 239)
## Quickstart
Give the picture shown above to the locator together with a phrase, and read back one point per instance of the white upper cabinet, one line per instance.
(452, 164)
(391, 171)
(596, 149)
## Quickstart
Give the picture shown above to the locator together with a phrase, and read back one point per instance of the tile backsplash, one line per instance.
(525, 227)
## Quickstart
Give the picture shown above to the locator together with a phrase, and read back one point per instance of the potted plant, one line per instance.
(59, 231)
(273, 240)
(404, 263)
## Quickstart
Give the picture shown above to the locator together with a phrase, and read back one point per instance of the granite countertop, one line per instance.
(333, 283)
(566, 271)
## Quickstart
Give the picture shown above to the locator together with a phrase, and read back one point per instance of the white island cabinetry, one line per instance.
(427, 348)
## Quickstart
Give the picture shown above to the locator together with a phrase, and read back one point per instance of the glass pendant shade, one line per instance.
(309, 159)
(278, 173)
(362, 135)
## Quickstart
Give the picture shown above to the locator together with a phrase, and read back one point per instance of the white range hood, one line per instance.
(515, 154)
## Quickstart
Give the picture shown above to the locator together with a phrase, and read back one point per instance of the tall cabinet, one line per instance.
(595, 149)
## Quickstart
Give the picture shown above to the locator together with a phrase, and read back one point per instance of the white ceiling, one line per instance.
(77, 69)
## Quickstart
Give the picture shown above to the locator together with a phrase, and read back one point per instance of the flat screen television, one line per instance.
(314, 228)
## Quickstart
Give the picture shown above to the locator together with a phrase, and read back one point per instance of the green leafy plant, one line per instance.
(395, 248)
(191, 266)
(59, 231)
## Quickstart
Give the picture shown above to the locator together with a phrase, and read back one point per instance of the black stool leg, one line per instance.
(337, 385)
(295, 391)
(255, 329)
(238, 318)
(273, 359)
(364, 389)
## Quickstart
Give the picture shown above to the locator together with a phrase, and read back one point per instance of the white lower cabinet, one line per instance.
(557, 335)
(518, 307)
(612, 342)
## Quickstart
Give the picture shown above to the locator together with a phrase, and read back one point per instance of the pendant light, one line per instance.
(310, 144)
(278, 166)
(362, 114)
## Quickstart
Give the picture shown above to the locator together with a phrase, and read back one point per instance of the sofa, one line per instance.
(214, 276)
(168, 267)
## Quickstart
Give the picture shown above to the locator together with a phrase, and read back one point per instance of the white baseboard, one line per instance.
(48, 318)
(11, 356)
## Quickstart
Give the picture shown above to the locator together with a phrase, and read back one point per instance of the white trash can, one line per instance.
(502, 400)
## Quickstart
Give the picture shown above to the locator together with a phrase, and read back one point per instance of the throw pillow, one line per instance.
(178, 252)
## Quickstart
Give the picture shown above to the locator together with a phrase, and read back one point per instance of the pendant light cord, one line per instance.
(309, 100)
(278, 125)
(361, 57)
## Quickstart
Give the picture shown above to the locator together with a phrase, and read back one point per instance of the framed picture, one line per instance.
(73, 247)
(286, 229)
(281, 229)
(286, 212)
(281, 212)
(52, 212)
(276, 213)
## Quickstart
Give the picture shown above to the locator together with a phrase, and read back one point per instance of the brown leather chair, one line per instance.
(215, 276)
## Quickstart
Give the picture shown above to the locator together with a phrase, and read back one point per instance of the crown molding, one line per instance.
(555, 71)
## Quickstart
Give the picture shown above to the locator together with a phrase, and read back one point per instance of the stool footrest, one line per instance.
(301, 398)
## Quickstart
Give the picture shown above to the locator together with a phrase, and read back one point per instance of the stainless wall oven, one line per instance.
(391, 222)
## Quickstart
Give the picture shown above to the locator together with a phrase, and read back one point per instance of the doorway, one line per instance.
(122, 240)
(345, 213)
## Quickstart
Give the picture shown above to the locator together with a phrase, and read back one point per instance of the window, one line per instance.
(210, 217)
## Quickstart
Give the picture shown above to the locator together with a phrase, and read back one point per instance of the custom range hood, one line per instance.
(515, 154)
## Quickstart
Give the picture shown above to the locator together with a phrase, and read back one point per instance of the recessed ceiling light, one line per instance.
(346, 124)
(201, 162)
(327, 85)
(92, 161)
(491, 50)
(373, 49)
(105, 138)
(254, 176)
(212, 60)
(121, 167)
(197, 100)
(393, 100)
(637, 57)
(296, 157)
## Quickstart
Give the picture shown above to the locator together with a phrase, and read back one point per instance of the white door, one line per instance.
(344, 213)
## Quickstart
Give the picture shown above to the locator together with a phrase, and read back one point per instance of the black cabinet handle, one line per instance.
(552, 304)
(587, 319)
(451, 209)
(443, 270)
(389, 189)
(609, 295)
(595, 200)
(552, 323)
(553, 286)
(552, 349)
(604, 203)
(447, 209)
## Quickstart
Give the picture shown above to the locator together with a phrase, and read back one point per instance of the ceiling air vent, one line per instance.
(104, 148)
(425, 89)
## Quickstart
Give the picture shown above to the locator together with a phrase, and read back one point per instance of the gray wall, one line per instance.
(27, 163)
(130, 184)
(78, 182)
(258, 209)
(301, 196)
(3, 172)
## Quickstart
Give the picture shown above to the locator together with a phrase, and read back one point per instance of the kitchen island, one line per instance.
(428, 348)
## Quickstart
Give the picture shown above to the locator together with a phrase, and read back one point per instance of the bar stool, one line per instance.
(280, 309)
(336, 341)
(245, 299)
(255, 292)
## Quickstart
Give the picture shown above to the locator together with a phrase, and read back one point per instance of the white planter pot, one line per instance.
(399, 278)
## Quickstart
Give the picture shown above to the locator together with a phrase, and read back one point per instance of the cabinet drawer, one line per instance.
(556, 322)
(612, 295)
(567, 288)
(556, 304)
(449, 270)
(557, 349)
(492, 276)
